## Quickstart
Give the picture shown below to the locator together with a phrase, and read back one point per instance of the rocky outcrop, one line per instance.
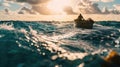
(80, 22)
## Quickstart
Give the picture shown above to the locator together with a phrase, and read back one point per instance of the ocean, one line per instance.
(56, 43)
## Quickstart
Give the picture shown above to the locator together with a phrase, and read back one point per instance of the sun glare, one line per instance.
(58, 5)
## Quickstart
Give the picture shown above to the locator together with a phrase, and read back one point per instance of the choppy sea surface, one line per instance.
(56, 44)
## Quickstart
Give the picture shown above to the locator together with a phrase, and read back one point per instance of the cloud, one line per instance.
(105, 11)
(31, 1)
(114, 11)
(86, 6)
(103, 0)
(25, 10)
(107, 0)
(95, 0)
(6, 11)
(39, 6)
(117, 6)
(42, 10)
(5, 4)
(69, 10)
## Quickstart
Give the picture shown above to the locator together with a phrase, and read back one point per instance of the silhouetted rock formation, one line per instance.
(82, 23)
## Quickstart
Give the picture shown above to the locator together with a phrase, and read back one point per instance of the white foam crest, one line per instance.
(23, 31)
(54, 47)
(84, 31)
(24, 47)
(50, 44)
(2, 36)
(66, 35)
(79, 44)
(61, 24)
(63, 53)
(101, 27)
(34, 32)
(100, 51)
(119, 30)
(7, 26)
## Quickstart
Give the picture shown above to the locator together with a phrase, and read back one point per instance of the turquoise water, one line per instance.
(56, 44)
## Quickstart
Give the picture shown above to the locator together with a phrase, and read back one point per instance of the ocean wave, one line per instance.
(42, 44)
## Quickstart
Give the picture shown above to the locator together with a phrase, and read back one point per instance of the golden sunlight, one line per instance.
(58, 5)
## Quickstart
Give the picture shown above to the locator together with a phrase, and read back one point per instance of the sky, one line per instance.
(60, 7)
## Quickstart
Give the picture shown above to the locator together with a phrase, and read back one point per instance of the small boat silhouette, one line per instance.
(80, 22)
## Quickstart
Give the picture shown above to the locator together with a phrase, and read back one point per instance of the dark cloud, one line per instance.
(31, 1)
(37, 5)
(25, 10)
(7, 11)
(86, 6)
(114, 11)
(95, 8)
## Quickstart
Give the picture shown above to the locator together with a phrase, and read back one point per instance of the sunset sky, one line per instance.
(67, 7)
(98, 10)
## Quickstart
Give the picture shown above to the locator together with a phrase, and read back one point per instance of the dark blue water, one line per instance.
(56, 44)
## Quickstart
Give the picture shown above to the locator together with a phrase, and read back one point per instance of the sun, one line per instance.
(58, 5)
